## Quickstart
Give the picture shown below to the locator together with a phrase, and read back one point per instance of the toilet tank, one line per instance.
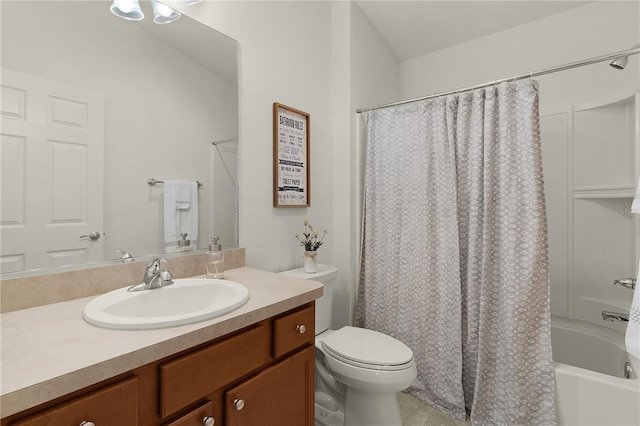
(327, 276)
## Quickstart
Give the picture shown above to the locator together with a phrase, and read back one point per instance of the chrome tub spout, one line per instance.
(615, 316)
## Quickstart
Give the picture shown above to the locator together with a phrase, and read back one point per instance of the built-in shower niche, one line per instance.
(604, 149)
(590, 161)
(604, 230)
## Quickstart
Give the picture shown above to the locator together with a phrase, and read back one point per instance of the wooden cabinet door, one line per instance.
(113, 405)
(282, 394)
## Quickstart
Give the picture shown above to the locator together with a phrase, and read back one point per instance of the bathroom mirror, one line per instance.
(93, 106)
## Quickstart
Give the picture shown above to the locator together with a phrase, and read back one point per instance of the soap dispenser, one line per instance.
(215, 260)
(183, 243)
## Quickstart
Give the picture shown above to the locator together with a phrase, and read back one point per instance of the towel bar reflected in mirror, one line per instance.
(152, 182)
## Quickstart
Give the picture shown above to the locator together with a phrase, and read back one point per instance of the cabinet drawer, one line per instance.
(113, 405)
(196, 417)
(293, 330)
(193, 376)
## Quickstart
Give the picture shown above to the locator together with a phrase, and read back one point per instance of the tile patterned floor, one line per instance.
(416, 413)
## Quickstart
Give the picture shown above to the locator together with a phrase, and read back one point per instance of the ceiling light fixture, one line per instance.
(127, 9)
(162, 14)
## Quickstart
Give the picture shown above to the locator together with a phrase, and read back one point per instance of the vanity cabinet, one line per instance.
(260, 375)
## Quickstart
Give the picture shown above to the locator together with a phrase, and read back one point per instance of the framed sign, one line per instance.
(290, 157)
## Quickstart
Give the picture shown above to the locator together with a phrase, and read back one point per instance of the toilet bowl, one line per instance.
(373, 367)
(358, 371)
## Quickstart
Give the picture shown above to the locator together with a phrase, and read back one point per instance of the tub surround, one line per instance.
(50, 351)
(591, 358)
(53, 287)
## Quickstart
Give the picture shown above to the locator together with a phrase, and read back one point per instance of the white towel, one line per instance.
(635, 206)
(178, 219)
(183, 194)
(632, 338)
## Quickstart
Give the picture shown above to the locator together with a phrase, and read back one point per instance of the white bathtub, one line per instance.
(590, 385)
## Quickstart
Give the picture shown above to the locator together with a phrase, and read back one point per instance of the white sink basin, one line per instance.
(184, 302)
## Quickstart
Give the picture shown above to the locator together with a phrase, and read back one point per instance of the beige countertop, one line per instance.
(49, 351)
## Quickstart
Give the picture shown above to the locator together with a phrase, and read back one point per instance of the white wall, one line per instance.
(375, 72)
(595, 29)
(284, 56)
(325, 59)
(365, 72)
(144, 83)
(588, 31)
(341, 239)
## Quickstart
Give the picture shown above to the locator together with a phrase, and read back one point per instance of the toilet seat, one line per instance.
(368, 349)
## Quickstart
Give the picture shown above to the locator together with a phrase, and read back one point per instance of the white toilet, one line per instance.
(358, 371)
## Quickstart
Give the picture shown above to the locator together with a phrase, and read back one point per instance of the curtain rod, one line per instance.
(611, 56)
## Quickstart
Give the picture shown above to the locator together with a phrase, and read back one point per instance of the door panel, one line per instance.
(52, 173)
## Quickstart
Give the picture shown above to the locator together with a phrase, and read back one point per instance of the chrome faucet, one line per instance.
(154, 277)
(629, 283)
(125, 256)
(614, 316)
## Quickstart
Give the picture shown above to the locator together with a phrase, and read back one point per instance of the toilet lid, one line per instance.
(362, 346)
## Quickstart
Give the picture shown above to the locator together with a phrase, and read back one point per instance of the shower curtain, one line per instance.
(454, 256)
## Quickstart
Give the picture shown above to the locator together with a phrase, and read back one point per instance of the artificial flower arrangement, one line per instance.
(310, 238)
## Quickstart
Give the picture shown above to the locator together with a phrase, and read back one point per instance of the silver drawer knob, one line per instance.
(301, 328)
(239, 404)
(208, 421)
(86, 423)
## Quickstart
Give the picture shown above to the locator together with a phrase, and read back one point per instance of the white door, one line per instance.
(52, 169)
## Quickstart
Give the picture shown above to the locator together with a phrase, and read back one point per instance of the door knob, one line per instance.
(92, 236)
(239, 404)
(208, 421)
